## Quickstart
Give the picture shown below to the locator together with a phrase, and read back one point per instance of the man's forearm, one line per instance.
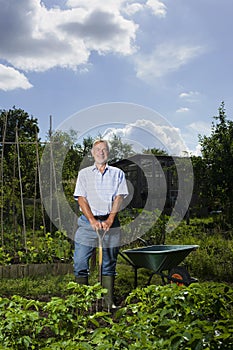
(116, 206)
(115, 209)
(83, 203)
(86, 210)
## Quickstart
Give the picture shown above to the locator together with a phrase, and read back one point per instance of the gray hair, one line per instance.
(97, 141)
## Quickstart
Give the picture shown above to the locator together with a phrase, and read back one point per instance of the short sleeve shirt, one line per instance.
(100, 189)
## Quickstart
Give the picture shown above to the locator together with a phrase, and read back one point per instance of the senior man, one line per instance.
(99, 190)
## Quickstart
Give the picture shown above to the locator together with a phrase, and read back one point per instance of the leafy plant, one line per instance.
(213, 259)
(40, 248)
(4, 256)
(158, 317)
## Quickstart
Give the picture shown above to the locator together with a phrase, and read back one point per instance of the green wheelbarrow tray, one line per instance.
(159, 258)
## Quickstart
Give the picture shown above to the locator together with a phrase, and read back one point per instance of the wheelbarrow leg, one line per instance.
(134, 267)
(150, 278)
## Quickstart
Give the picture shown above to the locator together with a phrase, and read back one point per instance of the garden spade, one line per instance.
(101, 235)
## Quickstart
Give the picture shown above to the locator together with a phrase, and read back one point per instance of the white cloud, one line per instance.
(146, 134)
(103, 32)
(191, 133)
(166, 58)
(197, 151)
(182, 110)
(157, 7)
(110, 5)
(131, 9)
(200, 127)
(11, 79)
(35, 38)
(190, 96)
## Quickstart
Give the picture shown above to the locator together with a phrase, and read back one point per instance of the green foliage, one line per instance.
(157, 232)
(152, 224)
(37, 287)
(30, 324)
(201, 184)
(17, 118)
(217, 152)
(4, 257)
(49, 248)
(156, 317)
(18, 317)
(33, 172)
(40, 248)
(118, 149)
(213, 260)
(194, 317)
(156, 151)
(20, 148)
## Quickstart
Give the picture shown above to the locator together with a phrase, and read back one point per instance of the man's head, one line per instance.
(100, 151)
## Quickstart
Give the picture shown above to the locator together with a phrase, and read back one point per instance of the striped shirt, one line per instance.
(100, 189)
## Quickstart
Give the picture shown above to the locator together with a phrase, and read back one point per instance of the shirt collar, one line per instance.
(94, 167)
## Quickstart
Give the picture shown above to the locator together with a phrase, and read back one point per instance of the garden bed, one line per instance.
(32, 270)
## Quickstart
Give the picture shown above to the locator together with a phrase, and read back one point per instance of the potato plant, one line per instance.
(156, 317)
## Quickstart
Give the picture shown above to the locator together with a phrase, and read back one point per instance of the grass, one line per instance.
(43, 288)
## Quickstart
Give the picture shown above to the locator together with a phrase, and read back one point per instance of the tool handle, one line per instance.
(100, 239)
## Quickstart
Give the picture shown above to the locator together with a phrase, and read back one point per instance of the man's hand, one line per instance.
(83, 203)
(101, 225)
(107, 224)
(95, 224)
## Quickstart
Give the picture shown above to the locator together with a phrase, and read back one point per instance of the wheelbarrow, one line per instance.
(161, 259)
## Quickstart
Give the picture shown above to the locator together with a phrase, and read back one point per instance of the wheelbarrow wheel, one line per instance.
(180, 276)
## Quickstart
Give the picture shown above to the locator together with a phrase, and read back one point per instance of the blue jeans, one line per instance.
(85, 242)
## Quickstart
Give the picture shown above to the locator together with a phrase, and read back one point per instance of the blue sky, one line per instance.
(174, 57)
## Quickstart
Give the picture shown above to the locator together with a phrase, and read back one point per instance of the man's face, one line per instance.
(100, 153)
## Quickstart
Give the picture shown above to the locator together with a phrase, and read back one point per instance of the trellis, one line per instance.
(37, 181)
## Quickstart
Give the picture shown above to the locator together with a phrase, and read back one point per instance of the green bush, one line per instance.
(213, 260)
(170, 317)
(32, 324)
(156, 317)
(38, 248)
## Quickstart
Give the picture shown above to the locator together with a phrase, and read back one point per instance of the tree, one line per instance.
(118, 149)
(19, 134)
(217, 153)
(84, 151)
(16, 119)
(201, 197)
(18, 145)
(155, 152)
